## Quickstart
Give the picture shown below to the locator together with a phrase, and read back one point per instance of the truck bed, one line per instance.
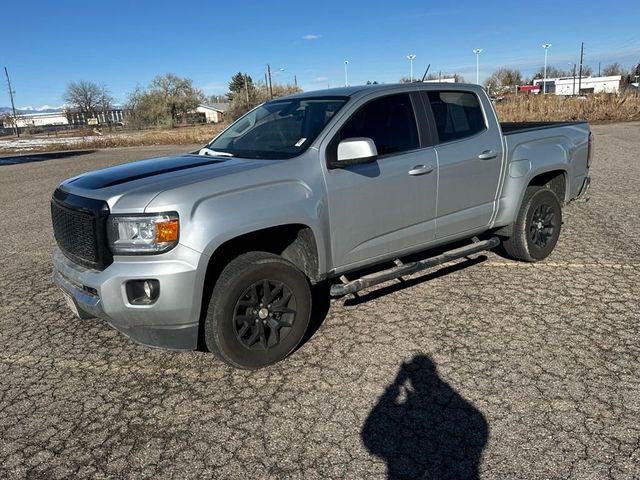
(518, 127)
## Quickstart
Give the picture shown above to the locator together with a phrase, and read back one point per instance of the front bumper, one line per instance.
(171, 322)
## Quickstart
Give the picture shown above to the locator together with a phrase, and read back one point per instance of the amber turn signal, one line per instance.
(167, 231)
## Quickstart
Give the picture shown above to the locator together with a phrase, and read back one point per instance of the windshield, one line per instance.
(278, 129)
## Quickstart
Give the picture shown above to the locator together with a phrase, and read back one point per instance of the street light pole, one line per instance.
(346, 74)
(410, 58)
(544, 80)
(477, 51)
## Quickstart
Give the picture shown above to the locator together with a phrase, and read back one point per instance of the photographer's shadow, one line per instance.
(423, 428)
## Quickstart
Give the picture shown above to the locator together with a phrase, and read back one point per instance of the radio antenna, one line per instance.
(425, 72)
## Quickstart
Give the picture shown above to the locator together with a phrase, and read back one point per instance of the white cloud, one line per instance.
(320, 80)
(311, 36)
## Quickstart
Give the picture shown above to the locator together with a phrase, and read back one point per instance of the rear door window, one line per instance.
(457, 115)
(389, 121)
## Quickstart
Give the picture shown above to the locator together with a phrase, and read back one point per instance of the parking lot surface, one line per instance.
(486, 367)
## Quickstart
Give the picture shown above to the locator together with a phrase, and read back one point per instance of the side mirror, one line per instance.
(353, 151)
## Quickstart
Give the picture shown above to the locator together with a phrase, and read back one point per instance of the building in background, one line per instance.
(212, 113)
(26, 120)
(442, 80)
(529, 88)
(114, 115)
(570, 85)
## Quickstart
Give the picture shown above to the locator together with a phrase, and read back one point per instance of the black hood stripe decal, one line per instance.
(136, 171)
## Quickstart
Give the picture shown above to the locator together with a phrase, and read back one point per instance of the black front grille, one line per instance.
(79, 228)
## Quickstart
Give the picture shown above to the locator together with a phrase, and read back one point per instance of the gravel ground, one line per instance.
(485, 367)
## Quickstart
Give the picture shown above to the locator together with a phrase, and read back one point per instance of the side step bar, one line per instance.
(402, 269)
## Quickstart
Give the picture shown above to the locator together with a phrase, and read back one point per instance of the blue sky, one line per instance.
(47, 44)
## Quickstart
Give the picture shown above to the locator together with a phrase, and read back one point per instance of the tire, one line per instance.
(537, 226)
(259, 311)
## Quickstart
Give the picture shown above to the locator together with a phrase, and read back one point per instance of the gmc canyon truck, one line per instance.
(222, 246)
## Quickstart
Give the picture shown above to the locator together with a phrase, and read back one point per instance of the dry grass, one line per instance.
(595, 108)
(88, 139)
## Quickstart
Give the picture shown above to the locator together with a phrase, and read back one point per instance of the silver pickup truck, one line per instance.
(221, 247)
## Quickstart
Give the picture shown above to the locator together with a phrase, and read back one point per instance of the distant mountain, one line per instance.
(42, 109)
(30, 109)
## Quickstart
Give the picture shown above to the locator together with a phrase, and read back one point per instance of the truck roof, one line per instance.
(353, 90)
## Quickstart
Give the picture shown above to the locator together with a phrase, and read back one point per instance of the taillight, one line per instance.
(590, 150)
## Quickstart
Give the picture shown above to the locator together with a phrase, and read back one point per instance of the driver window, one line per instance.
(389, 121)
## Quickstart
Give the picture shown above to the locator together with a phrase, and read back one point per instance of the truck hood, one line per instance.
(131, 186)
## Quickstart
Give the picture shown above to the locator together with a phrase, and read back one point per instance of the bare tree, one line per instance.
(459, 78)
(84, 97)
(9, 121)
(502, 79)
(179, 94)
(587, 71)
(553, 72)
(105, 101)
(146, 107)
(613, 69)
(169, 99)
(258, 94)
(133, 107)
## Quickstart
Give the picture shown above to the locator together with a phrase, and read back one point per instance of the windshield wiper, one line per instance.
(214, 153)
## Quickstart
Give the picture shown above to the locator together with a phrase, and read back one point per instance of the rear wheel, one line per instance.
(537, 227)
(259, 310)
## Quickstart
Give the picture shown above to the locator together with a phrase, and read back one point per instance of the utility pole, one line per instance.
(270, 85)
(295, 81)
(574, 78)
(580, 72)
(599, 68)
(246, 87)
(13, 105)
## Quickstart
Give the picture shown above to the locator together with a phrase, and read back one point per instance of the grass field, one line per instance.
(594, 108)
(88, 139)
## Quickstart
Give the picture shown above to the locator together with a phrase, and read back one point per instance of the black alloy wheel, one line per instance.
(264, 314)
(536, 229)
(259, 310)
(542, 225)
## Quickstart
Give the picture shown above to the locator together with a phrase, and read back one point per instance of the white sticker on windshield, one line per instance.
(300, 142)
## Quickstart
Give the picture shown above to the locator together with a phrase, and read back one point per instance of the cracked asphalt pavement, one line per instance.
(487, 368)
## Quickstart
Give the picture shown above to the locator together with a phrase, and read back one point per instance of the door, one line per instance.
(380, 208)
(469, 161)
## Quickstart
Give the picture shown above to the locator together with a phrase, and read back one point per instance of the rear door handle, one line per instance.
(421, 169)
(487, 155)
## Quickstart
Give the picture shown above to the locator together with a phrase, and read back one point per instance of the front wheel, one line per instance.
(259, 310)
(537, 227)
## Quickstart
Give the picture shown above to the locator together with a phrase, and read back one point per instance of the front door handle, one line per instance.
(487, 155)
(421, 169)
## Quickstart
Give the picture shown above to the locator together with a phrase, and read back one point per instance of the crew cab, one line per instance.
(221, 247)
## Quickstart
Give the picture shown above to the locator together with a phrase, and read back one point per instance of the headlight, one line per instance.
(143, 233)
